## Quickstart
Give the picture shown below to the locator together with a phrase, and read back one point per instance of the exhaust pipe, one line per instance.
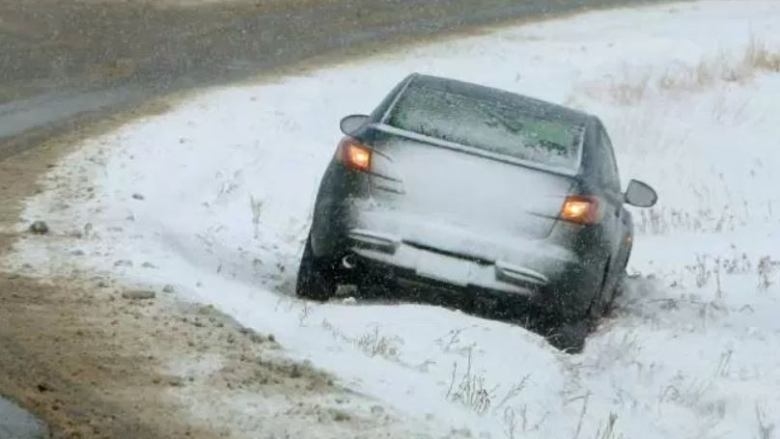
(348, 262)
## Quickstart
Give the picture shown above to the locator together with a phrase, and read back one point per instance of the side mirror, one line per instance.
(640, 194)
(352, 123)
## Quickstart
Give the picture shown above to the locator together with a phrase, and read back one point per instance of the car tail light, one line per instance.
(354, 154)
(581, 209)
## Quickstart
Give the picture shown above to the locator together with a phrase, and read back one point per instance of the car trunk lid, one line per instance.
(457, 189)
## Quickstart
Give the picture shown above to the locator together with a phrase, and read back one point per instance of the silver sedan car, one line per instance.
(480, 192)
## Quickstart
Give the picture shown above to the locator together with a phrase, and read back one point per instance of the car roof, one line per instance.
(535, 107)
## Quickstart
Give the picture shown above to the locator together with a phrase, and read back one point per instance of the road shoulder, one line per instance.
(93, 358)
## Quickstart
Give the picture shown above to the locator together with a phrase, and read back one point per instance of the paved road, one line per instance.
(64, 61)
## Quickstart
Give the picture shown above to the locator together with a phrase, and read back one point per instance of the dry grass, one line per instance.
(607, 430)
(760, 57)
(470, 389)
(627, 93)
(630, 89)
(703, 218)
(256, 205)
(375, 344)
(516, 423)
(708, 268)
(372, 343)
(765, 430)
(689, 394)
(764, 270)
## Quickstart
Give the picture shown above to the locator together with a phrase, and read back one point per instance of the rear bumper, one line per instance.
(431, 250)
(421, 263)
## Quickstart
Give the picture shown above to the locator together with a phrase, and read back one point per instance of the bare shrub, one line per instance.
(452, 342)
(304, 314)
(764, 270)
(653, 221)
(513, 392)
(701, 273)
(510, 423)
(738, 72)
(257, 209)
(718, 287)
(689, 78)
(583, 411)
(373, 344)
(704, 73)
(470, 389)
(689, 395)
(710, 311)
(679, 78)
(607, 431)
(724, 364)
(737, 264)
(628, 93)
(758, 56)
(765, 431)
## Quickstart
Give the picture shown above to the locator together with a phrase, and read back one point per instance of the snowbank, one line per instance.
(217, 194)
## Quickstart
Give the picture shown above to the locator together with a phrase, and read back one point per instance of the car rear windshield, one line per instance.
(489, 123)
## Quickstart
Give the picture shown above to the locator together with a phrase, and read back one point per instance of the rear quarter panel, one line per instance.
(331, 219)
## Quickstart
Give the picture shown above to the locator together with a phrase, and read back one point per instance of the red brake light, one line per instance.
(354, 154)
(581, 210)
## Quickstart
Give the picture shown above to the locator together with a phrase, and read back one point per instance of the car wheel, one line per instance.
(316, 277)
(569, 331)
(570, 336)
(603, 299)
(617, 291)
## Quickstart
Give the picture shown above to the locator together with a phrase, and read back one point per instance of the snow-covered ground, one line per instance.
(215, 199)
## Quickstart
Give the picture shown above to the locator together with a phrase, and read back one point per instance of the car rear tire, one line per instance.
(609, 292)
(568, 332)
(603, 298)
(617, 291)
(570, 337)
(316, 277)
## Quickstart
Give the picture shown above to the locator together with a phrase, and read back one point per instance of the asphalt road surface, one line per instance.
(64, 61)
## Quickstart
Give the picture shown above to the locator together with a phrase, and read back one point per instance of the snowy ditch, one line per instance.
(214, 198)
